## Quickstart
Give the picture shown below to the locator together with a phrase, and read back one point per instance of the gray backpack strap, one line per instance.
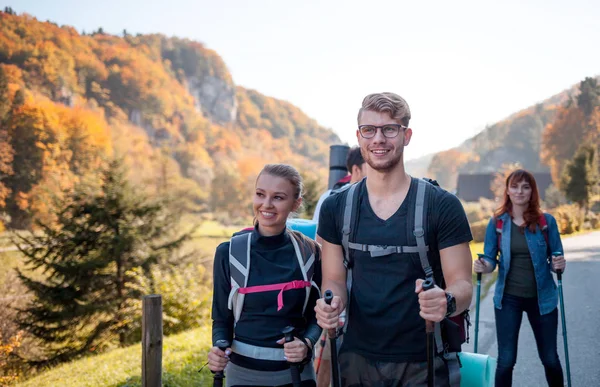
(306, 259)
(422, 248)
(419, 228)
(351, 202)
(346, 228)
(239, 267)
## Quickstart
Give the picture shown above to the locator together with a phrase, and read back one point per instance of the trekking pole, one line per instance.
(220, 375)
(562, 317)
(294, 370)
(335, 370)
(323, 342)
(430, 331)
(477, 303)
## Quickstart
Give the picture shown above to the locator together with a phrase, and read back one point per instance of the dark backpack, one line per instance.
(454, 331)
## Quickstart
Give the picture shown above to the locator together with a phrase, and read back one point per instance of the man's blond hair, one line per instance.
(389, 103)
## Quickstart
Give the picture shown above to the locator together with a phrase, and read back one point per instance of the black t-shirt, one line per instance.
(273, 260)
(384, 321)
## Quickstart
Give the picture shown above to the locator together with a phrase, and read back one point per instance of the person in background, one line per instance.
(520, 239)
(357, 171)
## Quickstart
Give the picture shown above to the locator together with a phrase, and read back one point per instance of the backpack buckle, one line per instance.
(419, 232)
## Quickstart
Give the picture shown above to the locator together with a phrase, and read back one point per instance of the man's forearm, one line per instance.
(462, 290)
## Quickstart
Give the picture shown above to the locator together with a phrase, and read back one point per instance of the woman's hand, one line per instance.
(295, 351)
(559, 263)
(217, 359)
(482, 266)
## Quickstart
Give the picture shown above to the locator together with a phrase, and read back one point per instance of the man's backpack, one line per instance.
(350, 225)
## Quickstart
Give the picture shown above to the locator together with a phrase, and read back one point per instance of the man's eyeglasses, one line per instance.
(388, 131)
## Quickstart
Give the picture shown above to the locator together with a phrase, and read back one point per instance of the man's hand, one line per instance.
(328, 316)
(432, 302)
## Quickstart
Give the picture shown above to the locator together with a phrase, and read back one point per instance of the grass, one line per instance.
(183, 355)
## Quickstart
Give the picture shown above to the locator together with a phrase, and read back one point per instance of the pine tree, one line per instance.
(581, 176)
(589, 96)
(90, 263)
(311, 194)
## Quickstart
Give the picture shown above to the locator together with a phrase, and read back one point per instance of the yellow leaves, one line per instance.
(6, 348)
(22, 200)
(250, 166)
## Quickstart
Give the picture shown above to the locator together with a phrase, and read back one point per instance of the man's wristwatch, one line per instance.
(451, 304)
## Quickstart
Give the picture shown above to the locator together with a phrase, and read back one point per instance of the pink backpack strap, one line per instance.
(281, 287)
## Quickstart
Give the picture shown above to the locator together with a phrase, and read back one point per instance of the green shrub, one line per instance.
(569, 218)
(594, 220)
(478, 230)
(186, 297)
(474, 212)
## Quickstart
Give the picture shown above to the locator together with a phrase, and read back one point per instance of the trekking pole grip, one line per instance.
(558, 272)
(220, 375)
(328, 298)
(427, 285)
(479, 257)
(288, 332)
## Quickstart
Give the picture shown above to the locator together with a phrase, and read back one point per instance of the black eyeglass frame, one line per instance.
(396, 126)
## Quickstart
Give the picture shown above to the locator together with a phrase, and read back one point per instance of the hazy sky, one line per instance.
(459, 64)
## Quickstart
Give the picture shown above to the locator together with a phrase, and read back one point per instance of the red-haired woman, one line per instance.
(525, 238)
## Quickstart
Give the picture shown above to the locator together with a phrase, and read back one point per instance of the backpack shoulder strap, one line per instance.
(239, 267)
(543, 223)
(350, 222)
(499, 225)
(419, 226)
(306, 259)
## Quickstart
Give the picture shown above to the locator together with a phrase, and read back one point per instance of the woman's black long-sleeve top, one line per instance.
(272, 260)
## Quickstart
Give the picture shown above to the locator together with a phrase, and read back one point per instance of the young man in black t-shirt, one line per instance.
(385, 338)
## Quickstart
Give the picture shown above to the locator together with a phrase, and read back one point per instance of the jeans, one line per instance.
(508, 324)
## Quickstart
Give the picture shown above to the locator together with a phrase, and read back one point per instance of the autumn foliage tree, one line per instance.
(577, 122)
(6, 151)
(150, 98)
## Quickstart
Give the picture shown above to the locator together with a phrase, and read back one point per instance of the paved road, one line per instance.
(581, 288)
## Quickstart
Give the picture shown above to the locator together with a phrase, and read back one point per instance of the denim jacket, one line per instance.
(546, 287)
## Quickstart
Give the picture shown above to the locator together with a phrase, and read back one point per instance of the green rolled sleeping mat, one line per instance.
(477, 370)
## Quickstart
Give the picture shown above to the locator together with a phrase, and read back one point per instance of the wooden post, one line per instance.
(152, 341)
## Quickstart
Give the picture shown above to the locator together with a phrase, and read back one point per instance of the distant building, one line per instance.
(471, 187)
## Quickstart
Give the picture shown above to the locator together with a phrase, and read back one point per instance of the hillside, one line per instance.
(168, 105)
(518, 138)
